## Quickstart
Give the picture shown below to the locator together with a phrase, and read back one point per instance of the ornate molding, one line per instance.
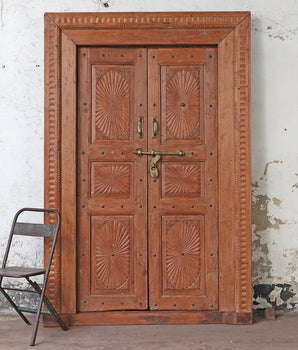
(52, 147)
(242, 166)
(148, 20)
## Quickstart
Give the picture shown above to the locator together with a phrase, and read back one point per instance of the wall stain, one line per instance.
(267, 165)
(260, 215)
(276, 201)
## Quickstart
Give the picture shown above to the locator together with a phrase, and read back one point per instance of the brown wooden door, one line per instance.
(116, 192)
(183, 228)
(112, 183)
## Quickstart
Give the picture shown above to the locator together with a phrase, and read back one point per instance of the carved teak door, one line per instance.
(148, 223)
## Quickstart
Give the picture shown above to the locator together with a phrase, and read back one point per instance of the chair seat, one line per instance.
(20, 271)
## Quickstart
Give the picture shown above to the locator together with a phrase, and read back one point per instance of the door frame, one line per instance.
(230, 33)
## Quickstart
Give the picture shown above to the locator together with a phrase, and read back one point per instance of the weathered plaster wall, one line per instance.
(274, 125)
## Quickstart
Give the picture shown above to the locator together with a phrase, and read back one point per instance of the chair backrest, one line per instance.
(33, 229)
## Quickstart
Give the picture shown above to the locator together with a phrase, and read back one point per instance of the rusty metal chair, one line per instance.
(37, 230)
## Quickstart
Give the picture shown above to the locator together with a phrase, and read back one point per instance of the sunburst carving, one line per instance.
(110, 179)
(181, 179)
(183, 254)
(112, 252)
(112, 106)
(183, 106)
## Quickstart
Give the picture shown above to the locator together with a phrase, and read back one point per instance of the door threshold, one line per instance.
(151, 317)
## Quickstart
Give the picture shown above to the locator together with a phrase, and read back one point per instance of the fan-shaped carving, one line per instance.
(112, 255)
(112, 105)
(110, 179)
(183, 254)
(179, 179)
(182, 106)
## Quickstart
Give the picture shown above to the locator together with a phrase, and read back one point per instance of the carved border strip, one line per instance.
(242, 166)
(52, 148)
(150, 19)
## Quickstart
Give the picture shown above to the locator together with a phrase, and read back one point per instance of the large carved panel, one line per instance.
(112, 269)
(113, 90)
(181, 89)
(182, 255)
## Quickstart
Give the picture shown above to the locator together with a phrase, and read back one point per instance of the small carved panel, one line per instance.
(111, 253)
(110, 180)
(182, 253)
(112, 98)
(182, 179)
(181, 97)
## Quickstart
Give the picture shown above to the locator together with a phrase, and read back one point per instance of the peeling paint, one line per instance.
(280, 296)
(267, 165)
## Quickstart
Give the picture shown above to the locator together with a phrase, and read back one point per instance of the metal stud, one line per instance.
(122, 206)
(210, 56)
(211, 305)
(85, 104)
(210, 205)
(140, 303)
(211, 180)
(102, 303)
(84, 54)
(211, 254)
(155, 304)
(154, 180)
(174, 305)
(122, 153)
(192, 153)
(83, 254)
(102, 153)
(102, 206)
(192, 304)
(192, 206)
(153, 56)
(141, 206)
(154, 206)
(121, 55)
(211, 153)
(84, 180)
(141, 180)
(173, 206)
(141, 254)
(103, 55)
(191, 56)
(85, 301)
(140, 55)
(173, 56)
(210, 106)
(141, 105)
(83, 206)
(154, 255)
(154, 104)
(83, 152)
(121, 303)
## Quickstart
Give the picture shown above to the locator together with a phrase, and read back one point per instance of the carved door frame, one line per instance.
(230, 33)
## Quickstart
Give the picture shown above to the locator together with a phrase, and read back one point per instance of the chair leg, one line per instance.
(49, 306)
(14, 306)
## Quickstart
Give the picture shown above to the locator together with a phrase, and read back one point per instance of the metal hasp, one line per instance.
(156, 156)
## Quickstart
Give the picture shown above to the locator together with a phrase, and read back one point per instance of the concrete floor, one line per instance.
(281, 334)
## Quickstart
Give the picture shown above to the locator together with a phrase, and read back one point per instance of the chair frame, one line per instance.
(37, 230)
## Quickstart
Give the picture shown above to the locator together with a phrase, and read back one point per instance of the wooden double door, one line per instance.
(147, 224)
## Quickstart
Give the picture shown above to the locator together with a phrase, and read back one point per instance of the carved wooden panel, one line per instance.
(182, 179)
(181, 89)
(113, 88)
(110, 179)
(182, 253)
(111, 264)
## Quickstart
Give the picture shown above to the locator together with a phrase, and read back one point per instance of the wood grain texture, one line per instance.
(68, 174)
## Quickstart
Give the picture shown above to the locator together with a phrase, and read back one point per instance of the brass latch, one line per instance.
(156, 156)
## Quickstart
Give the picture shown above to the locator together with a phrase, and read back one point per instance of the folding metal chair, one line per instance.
(37, 230)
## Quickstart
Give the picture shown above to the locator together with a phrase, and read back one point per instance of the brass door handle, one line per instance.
(139, 152)
(154, 127)
(141, 127)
